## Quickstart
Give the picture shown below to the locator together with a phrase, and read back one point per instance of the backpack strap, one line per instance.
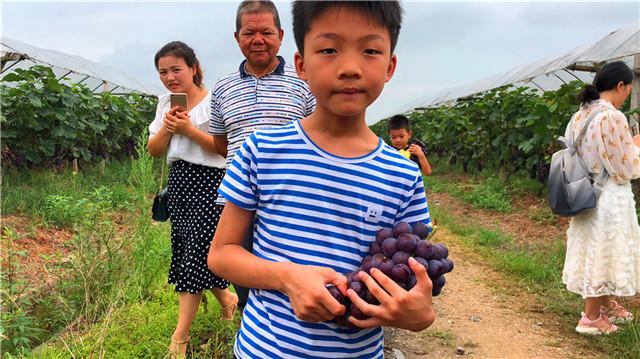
(586, 126)
(600, 179)
(569, 142)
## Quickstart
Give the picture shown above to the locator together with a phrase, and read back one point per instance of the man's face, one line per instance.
(259, 39)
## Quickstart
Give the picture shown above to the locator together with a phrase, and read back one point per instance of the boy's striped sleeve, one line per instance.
(414, 207)
(239, 185)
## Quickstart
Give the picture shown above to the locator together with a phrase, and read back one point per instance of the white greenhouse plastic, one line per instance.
(97, 77)
(548, 73)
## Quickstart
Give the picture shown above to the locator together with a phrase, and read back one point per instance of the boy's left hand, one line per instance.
(412, 310)
(416, 150)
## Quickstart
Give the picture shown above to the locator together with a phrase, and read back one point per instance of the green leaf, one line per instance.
(35, 101)
(12, 77)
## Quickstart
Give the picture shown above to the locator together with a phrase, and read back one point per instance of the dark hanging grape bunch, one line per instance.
(390, 254)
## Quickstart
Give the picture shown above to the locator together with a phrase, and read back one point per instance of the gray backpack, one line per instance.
(572, 190)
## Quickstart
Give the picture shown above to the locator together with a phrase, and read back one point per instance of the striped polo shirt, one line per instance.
(242, 103)
(314, 208)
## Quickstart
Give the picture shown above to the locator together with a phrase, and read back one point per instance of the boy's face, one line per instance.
(399, 138)
(347, 60)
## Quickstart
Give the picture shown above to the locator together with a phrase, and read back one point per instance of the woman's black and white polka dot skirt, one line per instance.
(194, 217)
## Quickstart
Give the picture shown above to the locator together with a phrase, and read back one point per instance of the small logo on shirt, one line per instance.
(374, 213)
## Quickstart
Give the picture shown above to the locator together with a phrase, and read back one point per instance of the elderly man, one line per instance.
(264, 92)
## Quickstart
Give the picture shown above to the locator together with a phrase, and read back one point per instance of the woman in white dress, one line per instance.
(603, 245)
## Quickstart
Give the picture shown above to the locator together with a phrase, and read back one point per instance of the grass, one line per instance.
(487, 194)
(109, 296)
(489, 238)
(142, 329)
(28, 191)
(446, 338)
(538, 270)
(543, 215)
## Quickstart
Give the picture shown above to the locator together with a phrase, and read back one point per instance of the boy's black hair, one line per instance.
(386, 13)
(399, 122)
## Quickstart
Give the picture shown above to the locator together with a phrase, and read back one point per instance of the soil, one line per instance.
(481, 314)
(483, 319)
(29, 252)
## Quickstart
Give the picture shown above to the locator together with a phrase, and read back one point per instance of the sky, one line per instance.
(441, 44)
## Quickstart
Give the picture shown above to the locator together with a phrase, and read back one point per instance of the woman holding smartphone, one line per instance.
(194, 176)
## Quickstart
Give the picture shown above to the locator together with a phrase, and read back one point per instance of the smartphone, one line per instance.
(180, 100)
(634, 126)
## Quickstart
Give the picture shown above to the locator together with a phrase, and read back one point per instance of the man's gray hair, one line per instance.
(257, 6)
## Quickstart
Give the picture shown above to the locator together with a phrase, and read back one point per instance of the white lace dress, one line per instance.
(603, 245)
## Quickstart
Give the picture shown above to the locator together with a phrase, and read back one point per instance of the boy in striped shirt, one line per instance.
(320, 188)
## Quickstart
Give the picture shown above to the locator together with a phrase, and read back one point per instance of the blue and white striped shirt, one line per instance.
(242, 103)
(314, 208)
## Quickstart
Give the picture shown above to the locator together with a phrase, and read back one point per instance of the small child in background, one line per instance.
(400, 134)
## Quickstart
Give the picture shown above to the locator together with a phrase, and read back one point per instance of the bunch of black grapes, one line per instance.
(390, 254)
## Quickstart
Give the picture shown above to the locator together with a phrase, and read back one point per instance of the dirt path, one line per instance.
(477, 313)
(483, 313)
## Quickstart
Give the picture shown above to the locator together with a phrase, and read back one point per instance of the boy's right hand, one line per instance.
(305, 286)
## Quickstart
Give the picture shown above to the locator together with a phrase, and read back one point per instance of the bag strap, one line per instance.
(634, 127)
(164, 164)
(585, 127)
(600, 179)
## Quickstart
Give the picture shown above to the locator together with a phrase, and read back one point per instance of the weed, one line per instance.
(142, 176)
(447, 338)
(520, 185)
(490, 194)
(543, 214)
(492, 238)
(19, 328)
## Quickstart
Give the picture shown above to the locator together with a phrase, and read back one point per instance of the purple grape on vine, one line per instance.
(423, 262)
(400, 228)
(389, 247)
(400, 273)
(411, 282)
(448, 264)
(407, 242)
(424, 249)
(435, 268)
(401, 258)
(386, 267)
(421, 230)
(383, 234)
(357, 287)
(438, 284)
(374, 248)
(335, 293)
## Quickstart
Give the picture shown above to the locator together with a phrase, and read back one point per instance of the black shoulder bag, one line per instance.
(160, 209)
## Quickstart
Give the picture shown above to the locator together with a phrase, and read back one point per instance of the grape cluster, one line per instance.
(390, 254)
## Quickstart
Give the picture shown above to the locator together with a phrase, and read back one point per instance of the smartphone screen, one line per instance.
(180, 100)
